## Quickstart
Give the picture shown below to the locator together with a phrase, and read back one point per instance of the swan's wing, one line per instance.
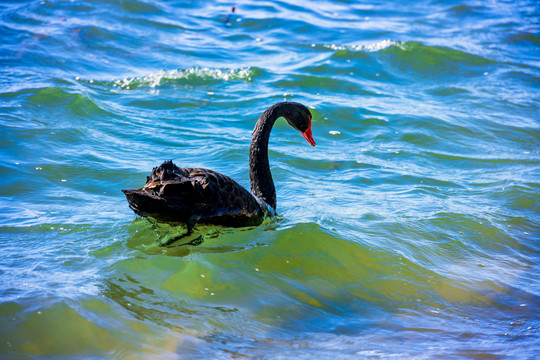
(183, 192)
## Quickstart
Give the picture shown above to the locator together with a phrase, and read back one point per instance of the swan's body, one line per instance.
(174, 194)
(190, 196)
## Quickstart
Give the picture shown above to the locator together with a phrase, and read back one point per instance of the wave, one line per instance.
(163, 77)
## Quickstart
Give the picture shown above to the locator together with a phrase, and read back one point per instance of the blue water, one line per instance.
(410, 231)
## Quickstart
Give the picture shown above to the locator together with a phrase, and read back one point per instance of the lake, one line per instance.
(410, 231)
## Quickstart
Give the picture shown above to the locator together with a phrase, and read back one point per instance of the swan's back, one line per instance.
(185, 195)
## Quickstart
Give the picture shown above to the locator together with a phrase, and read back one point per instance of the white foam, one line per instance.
(370, 47)
(157, 78)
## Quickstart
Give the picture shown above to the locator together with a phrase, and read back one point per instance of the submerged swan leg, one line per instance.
(190, 225)
(173, 239)
(195, 242)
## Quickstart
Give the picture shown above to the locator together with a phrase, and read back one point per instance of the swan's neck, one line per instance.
(262, 184)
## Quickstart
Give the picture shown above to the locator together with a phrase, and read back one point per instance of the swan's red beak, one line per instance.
(307, 135)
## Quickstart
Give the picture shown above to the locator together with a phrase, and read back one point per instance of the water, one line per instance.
(410, 231)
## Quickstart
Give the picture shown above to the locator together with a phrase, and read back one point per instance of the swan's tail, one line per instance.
(144, 203)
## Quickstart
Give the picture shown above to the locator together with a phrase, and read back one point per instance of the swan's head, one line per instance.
(299, 117)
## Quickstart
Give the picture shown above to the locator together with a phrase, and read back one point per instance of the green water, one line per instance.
(410, 231)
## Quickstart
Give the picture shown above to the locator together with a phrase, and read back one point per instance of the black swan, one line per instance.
(191, 196)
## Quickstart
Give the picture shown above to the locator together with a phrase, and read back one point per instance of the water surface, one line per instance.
(410, 231)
